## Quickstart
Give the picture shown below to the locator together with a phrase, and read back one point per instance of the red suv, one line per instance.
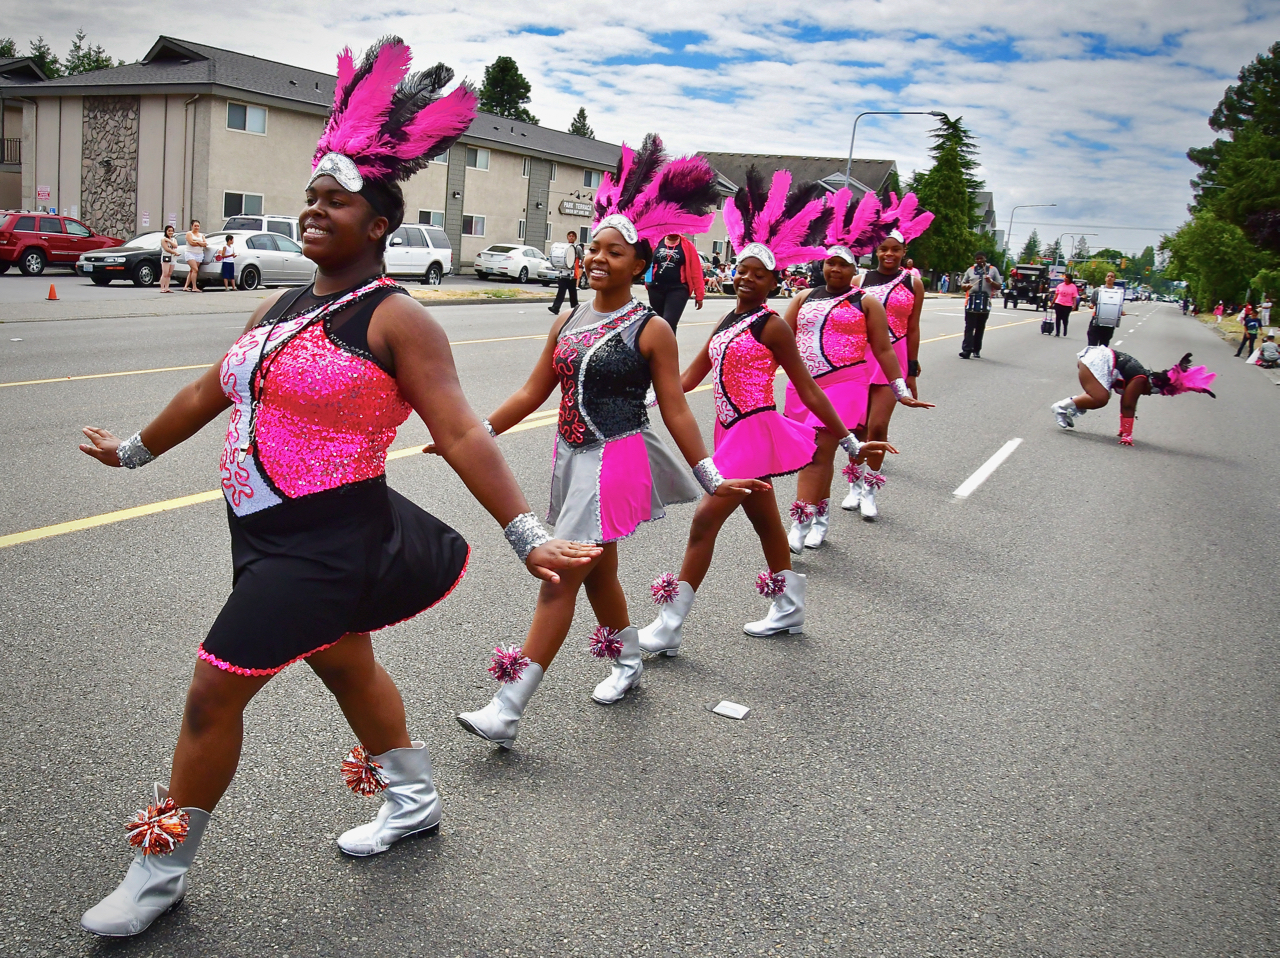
(36, 240)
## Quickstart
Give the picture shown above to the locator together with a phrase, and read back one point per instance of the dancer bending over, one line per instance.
(1103, 369)
(610, 471)
(769, 232)
(323, 552)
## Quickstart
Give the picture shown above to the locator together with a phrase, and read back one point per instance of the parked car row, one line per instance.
(521, 263)
(33, 241)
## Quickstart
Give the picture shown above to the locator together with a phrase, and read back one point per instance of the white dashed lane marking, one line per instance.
(986, 469)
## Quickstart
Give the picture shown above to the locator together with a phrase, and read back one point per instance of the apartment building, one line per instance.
(14, 72)
(196, 132)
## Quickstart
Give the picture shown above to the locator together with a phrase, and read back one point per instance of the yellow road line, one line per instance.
(131, 372)
(533, 421)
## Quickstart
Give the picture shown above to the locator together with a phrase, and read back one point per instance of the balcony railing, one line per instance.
(13, 149)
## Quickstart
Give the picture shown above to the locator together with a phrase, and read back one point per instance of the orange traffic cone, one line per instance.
(53, 293)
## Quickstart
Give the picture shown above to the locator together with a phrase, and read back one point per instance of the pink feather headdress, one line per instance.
(1183, 378)
(907, 222)
(782, 227)
(387, 123)
(649, 196)
(855, 230)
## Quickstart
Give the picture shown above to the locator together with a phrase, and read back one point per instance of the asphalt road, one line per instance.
(1037, 721)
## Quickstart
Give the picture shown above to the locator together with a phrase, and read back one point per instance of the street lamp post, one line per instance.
(1025, 206)
(848, 167)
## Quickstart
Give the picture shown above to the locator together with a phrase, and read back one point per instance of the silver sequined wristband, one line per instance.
(708, 476)
(525, 533)
(851, 445)
(900, 389)
(132, 453)
(489, 426)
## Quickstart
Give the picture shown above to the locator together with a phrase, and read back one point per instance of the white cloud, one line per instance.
(1095, 113)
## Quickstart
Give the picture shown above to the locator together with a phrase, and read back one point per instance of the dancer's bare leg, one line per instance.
(710, 515)
(604, 591)
(880, 408)
(814, 482)
(554, 613)
(762, 509)
(1095, 395)
(365, 692)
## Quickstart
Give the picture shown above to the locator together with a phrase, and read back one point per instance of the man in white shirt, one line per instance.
(980, 282)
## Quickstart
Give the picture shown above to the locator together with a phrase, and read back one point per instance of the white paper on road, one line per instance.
(731, 710)
(986, 469)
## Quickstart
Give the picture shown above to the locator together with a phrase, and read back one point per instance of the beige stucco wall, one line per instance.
(716, 234)
(71, 120)
(568, 182)
(425, 191)
(499, 195)
(276, 164)
(47, 147)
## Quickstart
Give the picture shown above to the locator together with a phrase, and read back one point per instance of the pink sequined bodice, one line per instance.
(742, 369)
(899, 300)
(324, 416)
(831, 333)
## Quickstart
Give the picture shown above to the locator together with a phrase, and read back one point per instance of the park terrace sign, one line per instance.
(576, 208)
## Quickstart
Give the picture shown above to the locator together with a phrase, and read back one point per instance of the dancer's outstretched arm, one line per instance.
(658, 345)
(193, 408)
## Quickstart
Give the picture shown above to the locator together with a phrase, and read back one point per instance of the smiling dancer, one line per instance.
(323, 552)
(900, 290)
(1103, 369)
(770, 232)
(610, 471)
(838, 330)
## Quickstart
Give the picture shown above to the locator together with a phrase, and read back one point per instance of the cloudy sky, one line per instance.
(1090, 105)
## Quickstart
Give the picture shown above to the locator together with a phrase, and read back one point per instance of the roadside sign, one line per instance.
(146, 219)
(43, 194)
(575, 208)
(173, 220)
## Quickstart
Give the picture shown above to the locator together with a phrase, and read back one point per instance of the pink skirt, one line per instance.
(878, 377)
(763, 444)
(847, 390)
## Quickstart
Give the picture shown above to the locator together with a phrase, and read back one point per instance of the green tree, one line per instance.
(86, 58)
(947, 190)
(580, 126)
(1214, 257)
(1081, 250)
(1094, 271)
(1031, 250)
(45, 58)
(506, 91)
(891, 184)
(8, 48)
(1053, 252)
(954, 137)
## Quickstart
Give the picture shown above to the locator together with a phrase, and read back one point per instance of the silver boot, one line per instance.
(410, 803)
(499, 721)
(662, 635)
(786, 614)
(800, 526)
(821, 520)
(854, 497)
(152, 885)
(626, 669)
(871, 481)
(1065, 412)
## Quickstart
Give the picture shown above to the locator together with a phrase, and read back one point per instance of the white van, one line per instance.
(419, 251)
(270, 223)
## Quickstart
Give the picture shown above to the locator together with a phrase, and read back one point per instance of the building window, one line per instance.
(547, 234)
(247, 119)
(591, 178)
(528, 165)
(442, 158)
(431, 218)
(241, 204)
(477, 158)
(473, 225)
(520, 229)
(554, 167)
(715, 249)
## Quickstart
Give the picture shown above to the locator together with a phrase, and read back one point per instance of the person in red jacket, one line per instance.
(674, 276)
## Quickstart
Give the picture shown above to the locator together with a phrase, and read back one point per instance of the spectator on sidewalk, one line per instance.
(1269, 353)
(567, 282)
(1064, 301)
(1249, 337)
(168, 253)
(945, 284)
(1106, 317)
(1264, 312)
(194, 255)
(979, 282)
(674, 275)
(1218, 311)
(227, 255)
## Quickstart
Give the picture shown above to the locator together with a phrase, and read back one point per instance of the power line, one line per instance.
(1106, 226)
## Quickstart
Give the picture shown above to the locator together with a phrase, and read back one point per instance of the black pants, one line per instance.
(975, 324)
(668, 302)
(1062, 313)
(1100, 335)
(1249, 338)
(566, 284)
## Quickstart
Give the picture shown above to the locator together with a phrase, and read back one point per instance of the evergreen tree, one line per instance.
(952, 137)
(580, 126)
(1053, 252)
(506, 91)
(891, 184)
(44, 58)
(1031, 251)
(950, 241)
(86, 58)
(8, 48)
(1081, 250)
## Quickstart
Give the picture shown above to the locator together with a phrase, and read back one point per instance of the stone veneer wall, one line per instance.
(109, 165)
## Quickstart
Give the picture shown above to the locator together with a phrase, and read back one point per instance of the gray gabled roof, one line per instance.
(519, 137)
(866, 174)
(20, 70)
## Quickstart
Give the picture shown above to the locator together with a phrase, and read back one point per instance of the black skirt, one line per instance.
(308, 571)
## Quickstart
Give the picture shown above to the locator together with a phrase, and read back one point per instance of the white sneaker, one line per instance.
(867, 505)
(851, 501)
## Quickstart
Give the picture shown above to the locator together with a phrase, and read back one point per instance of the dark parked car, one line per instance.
(1029, 283)
(137, 260)
(33, 241)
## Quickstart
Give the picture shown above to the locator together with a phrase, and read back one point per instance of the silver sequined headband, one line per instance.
(622, 225)
(341, 168)
(844, 253)
(760, 252)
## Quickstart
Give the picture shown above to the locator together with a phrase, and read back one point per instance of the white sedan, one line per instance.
(262, 259)
(521, 263)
